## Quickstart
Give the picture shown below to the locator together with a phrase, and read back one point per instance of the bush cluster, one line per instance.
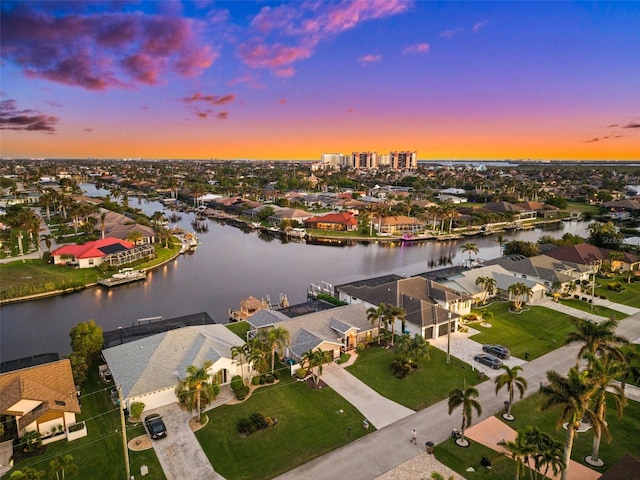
(615, 287)
(400, 369)
(239, 388)
(255, 422)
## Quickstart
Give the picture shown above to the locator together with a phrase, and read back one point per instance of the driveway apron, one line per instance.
(378, 410)
(180, 451)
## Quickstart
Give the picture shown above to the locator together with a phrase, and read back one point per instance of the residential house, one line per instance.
(292, 214)
(429, 306)
(588, 255)
(41, 398)
(509, 209)
(398, 225)
(149, 369)
(542, 209)
(90, 254)
(342, 222)
(116, 225)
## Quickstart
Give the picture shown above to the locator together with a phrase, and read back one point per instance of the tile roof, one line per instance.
(92, 249)
(51, 383)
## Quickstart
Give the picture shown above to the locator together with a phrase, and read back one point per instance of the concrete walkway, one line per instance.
(574, 312)
(378, 410)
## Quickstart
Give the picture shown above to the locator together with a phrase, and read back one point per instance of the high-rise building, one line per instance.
(364, 159)
(404, 160)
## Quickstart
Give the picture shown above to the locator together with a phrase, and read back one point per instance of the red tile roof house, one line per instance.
(90, 254)
(342, 222)
(41, 398)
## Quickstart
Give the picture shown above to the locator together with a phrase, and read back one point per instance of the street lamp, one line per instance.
(593, 284)
(448, 338)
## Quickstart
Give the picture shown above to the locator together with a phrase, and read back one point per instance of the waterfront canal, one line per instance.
(228, 266)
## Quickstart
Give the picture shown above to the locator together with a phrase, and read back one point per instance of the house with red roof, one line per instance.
(90, 254)
(341, 222)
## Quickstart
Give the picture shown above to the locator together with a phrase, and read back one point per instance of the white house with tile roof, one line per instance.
(149, 369)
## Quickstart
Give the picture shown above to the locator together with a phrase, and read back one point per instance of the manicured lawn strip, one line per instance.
(239, 328)
(582, 208)
(427, 385)
(311, 422)
(624, 431)
(460, 458)
(597, 309)
(630, 296)
(536, 331)
(99, 455)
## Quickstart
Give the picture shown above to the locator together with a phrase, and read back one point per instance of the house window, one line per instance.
(91, 261)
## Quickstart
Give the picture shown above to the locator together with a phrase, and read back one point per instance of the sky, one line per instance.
(293, 80)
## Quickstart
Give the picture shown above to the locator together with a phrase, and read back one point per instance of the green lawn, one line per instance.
(624, 432)
(100, 454)
(239, 328)
(311, 422)
(429, 384)
(459, 459)
(630, 296)
(536, 331)
(597, 309)
(583, 208)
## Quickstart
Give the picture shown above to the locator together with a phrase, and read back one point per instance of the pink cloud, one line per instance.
(25, 120)
(478, 26)
(223, 115)
(417, 48)
(451, 33)
(367, 59)
(291, 32)
(248, 79)
(282, 101)
(210, 99)
(97, 51)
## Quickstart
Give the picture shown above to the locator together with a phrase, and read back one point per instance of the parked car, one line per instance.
(155, 426)
(488, 360)
(497, 350)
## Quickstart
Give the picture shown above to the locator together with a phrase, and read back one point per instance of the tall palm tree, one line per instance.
(602, 371)
(254, 354)
(500, 241)
(103, 217)
(238, 351)
(27, 473)
(573, 395)
(466, 398)
(512, 380)
(47, 238)
(314, 358)
(488, 285)
(412, 349)
(470, 248)
(197, 389)
(520, 292)
(61, 465)
(391, 314)
(376, 315)
(273, 339)
(597, 338)
(517, 450)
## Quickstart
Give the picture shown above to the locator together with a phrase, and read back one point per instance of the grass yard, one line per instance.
(311, 422)
(99, 455)
(459, 459)
(630, 296)
(429, 384)
(597, 309)
(239, 328)
(536, 331)
(624, 431)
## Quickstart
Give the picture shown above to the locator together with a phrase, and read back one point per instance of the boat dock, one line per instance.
(114, 282)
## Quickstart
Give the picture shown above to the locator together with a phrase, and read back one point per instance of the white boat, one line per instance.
(126, 273)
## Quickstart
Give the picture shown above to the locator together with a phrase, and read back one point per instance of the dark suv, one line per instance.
(497, 350)
(155, 426)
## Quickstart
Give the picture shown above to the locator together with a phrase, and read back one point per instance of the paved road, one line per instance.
(372, 455)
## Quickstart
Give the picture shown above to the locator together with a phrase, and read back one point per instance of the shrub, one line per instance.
(241, 392)
(615, 287)
(136, 409)
(360, 347)
(276, 375)
(270, 378)
(577, 297)
(236, 382)
(400, 369)
(263, 379)
(255, 380)
(259, 421)
(301, 372)
(245, 426)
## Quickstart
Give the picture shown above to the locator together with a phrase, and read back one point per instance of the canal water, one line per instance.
(228, 266)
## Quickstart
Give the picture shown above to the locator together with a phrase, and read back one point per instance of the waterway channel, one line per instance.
(228, 266)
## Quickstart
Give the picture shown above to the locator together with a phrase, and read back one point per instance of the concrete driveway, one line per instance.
(180, 453)
(378, 410)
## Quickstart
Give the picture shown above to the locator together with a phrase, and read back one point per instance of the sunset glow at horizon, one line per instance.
(293, 80)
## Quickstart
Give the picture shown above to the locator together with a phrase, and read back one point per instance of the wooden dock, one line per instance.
(114, 282)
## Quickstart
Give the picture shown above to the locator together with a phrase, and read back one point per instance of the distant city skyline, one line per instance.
(294, 80)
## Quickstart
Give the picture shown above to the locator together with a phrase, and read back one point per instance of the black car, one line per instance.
(497, 350)
(155, 426)
(488, 360)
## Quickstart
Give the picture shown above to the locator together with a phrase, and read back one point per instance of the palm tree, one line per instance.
(500, 241)
(470, 248)
(197, 389)
(511, 380)
(597, 337)
(518, 450)
(391, 314)
(27, 473)
(254, 354)
(520, 292)
(47, 238)
(488, 284)
(238, 351)
(375, 315)
(314, 358)
(61, 465)
(103, 217)
(412, 349)
(573, 395)
(272, 339)
(467, 398)
(602, 371)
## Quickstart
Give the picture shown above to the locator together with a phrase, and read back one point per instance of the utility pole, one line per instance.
(123, 427)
